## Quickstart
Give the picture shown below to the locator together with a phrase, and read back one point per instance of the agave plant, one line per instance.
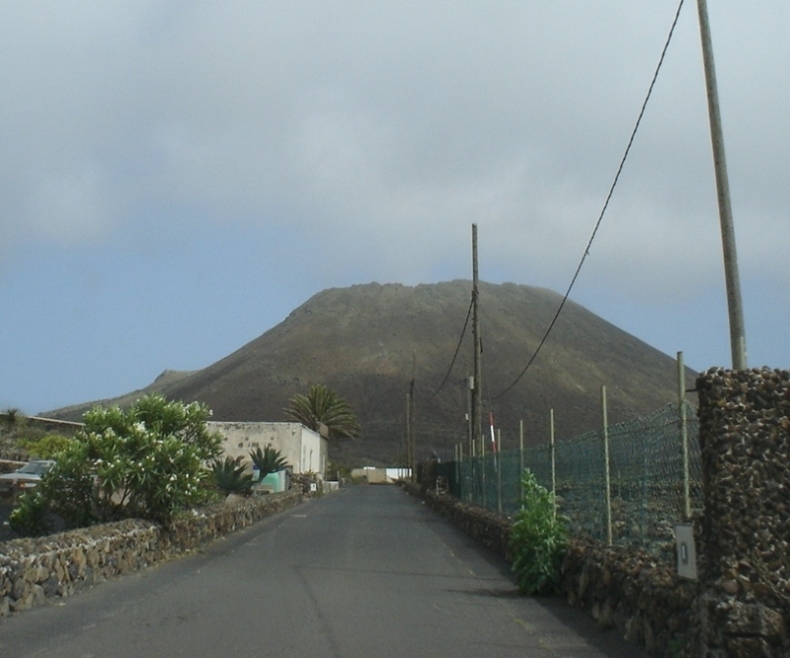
(12, 417)
(268, 461)
(229, 476)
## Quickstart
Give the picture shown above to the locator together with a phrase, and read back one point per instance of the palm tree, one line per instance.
(322, 406)
(267, 461)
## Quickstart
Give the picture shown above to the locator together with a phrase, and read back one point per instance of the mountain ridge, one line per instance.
(364, 340)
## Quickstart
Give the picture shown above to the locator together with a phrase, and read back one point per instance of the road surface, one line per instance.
(367, 571)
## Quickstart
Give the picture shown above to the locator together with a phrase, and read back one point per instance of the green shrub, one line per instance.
(47, 446)
(336, 470)
(29, 517)
(538, 540)
(69, 488)
(149, 461)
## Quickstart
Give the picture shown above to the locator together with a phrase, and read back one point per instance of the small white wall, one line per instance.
(304, 450)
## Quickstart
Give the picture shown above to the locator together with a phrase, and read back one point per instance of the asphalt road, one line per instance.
(367, 571)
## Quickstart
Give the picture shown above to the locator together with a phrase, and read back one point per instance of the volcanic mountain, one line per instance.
(368, 342)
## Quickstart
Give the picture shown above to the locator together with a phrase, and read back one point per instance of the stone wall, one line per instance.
(628, 590)
(744, 603)
(487, 528)
(740, 607)
(35, 570)
(645, 601)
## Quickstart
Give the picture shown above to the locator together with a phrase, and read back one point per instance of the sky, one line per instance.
(177, 177)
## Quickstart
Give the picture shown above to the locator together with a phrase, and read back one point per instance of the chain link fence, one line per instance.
(653, 482)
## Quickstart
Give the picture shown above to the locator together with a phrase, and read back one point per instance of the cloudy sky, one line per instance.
(176, 177)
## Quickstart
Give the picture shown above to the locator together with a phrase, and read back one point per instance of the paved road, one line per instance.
(366, 572)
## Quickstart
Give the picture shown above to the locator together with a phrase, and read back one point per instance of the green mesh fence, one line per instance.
(646, 467)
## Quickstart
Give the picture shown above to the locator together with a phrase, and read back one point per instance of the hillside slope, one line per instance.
(365, 340)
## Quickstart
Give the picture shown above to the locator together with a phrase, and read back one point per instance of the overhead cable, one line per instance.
(457, 349)
(605, 206)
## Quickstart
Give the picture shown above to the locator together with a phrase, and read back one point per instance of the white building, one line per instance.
(303, 449)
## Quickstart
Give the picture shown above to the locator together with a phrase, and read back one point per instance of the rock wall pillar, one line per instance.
(744, 604)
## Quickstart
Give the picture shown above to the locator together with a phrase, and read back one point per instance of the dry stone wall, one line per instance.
(33, 571)
(642, 598)
(740, 606)
(487, 528)
(744, 604)
(645, 601)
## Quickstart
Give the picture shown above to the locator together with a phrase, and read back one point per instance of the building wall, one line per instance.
(375, 475)
(303, 449)
(370, 475)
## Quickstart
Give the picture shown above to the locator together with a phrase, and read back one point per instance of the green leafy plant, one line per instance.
(47, 446)
(29, 517)
(538, 540)
(149, 461)
(230, 477)
(68, 488)
(338, 471)
(322, 406)
(267, 461)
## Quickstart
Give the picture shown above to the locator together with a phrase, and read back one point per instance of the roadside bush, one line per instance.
(68, 488)
(29, 517)
(538, 540)
(149, 461)
(47, 446)
(338, 471)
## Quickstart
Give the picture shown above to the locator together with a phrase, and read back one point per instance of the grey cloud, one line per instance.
(379, 123)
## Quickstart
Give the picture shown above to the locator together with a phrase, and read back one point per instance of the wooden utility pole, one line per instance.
(477, 402)
(737, 329)
(470, 434)
(553, 457)
(411, 411)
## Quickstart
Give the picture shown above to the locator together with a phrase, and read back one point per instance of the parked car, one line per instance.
(26, 477)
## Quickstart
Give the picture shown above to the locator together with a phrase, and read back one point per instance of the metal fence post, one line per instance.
(521, 462)
(484, 480)
(553, 450)
(684, 438)
(607, 475)
(553, 453)
(498, 466)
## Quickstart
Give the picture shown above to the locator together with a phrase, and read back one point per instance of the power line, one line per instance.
(605, 206)
(457, 349)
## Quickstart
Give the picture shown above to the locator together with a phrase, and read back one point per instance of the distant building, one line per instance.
(376, 475)
(303, 449)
